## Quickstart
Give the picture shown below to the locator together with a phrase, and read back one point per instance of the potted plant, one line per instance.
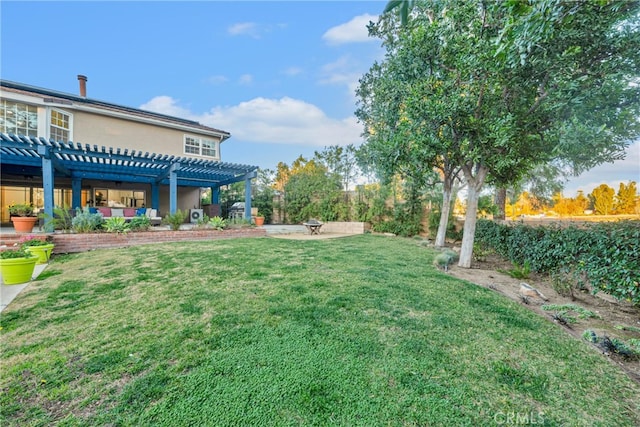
(259, 220)
(16, 266)
(22, 217)
(38, 246)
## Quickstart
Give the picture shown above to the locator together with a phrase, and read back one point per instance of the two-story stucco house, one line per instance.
(60, 149)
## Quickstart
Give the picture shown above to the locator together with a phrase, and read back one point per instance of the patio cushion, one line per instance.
(151, 213)
(115, 212)
(129, 212)
(141, 211)
(106, 212)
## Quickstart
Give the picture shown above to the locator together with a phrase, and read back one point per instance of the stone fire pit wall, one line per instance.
(345, 227)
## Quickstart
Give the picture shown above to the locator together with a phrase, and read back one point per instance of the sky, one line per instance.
(279, 76)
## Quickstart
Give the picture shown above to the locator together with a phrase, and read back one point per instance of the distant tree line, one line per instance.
(603, 200)
(330, 187)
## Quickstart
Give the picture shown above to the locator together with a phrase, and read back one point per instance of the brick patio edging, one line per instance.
(82, 242)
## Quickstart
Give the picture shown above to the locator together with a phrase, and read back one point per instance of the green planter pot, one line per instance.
(42, 252)
(17, 270)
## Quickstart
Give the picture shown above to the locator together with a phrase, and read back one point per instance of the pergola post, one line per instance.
(215, 195)
(76, 193)
(47, 185)
(155, 195)
(173, 188)
(247, 194)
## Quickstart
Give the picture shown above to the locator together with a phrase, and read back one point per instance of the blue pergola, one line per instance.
(78, 162)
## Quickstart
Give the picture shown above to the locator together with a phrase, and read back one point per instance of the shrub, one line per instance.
(445, 259)
(86, 222)
(603, 256)
(518, 272)
(404, 222)
(116, 224)
(218, 223)
(61, 220)
(203, 222)
(175, 220)
(140, 223)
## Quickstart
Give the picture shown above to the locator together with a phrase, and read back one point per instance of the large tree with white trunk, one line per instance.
(498, 88)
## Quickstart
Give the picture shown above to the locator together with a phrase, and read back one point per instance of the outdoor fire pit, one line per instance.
(313, 226)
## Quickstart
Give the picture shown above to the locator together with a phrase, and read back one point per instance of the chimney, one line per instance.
(83, 85)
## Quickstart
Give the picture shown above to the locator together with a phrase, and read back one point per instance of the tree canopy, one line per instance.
(498, 88)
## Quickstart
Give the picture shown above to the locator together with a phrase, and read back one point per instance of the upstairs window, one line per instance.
(191, 145)
(200, 146)
(19, 119)
(60, 126)
(209, 148)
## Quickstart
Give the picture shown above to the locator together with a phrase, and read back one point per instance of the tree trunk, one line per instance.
(501, 202)
(474, 185)
(444, 216)
(466, 250)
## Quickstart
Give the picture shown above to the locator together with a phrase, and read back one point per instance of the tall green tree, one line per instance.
(340, 162)
(310, 191)
(341, 165)
(510, 85)
(263, 193)
(415, 150)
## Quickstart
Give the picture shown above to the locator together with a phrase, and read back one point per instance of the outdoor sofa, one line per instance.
(107, 212)
(128, 213)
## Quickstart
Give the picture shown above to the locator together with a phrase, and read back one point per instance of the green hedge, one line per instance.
(605, 255)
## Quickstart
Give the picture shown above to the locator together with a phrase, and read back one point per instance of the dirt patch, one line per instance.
(613, 319)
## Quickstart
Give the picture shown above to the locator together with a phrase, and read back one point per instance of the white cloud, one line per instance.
(284, 121)
(244, 29)
(166, 105)
(293, 71)
(252, 29)
(344, 71)
(245, 79)
(216, 80)
(271, 121)
(354, 31)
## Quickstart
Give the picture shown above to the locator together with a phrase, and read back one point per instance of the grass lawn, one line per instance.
(359, 331)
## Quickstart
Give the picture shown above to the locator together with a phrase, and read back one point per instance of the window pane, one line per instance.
(208, 148)
(191, 145)
(59, 130)
(19, 119)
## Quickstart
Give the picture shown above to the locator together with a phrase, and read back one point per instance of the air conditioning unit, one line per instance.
(195, 215)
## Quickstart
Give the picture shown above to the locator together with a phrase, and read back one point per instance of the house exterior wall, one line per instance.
(120, 133)
(188, 198)
(111, 126)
